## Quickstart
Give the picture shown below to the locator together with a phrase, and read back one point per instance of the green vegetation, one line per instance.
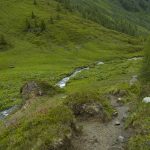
(37, 127)
(135, 5)
(139, 119)
(45, 55)
(3, 43)
(146, 64)
(44, 41)
(132, 20)
(76, 100)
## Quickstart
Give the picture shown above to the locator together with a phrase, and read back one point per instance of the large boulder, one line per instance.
(30, 89)
(33, 89)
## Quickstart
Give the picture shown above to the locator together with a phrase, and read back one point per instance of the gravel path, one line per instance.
(103, 136)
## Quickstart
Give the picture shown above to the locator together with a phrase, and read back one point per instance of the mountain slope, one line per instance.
(42, 41)
(128, 16)
(69, 39)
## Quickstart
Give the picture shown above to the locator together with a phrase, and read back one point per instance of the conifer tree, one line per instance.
(35, 2)
(43, 26)
(3, 40)
(28, 25)
(51, 20)
(33, 15)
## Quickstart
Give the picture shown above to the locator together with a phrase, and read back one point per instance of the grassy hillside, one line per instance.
(45, 55)
(127, 16)
(43, 41)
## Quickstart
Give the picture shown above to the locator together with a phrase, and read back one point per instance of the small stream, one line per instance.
(5, 113)
(62, 83)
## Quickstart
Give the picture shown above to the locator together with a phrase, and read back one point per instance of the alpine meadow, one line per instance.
(75, 74)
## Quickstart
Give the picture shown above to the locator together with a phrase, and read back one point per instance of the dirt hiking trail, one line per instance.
(104, 136)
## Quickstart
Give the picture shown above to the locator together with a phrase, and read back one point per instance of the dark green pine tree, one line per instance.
(33, 15)
(28, 25)
(43, 26)
(51, 20)
(3, 41)
(58, 8)
(35, 2)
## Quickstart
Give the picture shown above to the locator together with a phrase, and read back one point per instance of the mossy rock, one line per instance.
(33, 89)
(89, 105)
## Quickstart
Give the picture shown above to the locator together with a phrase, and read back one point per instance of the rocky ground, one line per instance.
(104, 136)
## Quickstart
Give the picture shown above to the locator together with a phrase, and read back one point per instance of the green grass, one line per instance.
(39, 126)
(76, 100)
(139, 120)
(104, 12)
(69, 43)
(70, 40)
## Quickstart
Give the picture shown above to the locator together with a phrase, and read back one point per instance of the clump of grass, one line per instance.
(145, 72)
(139, 143)
(76, 100)
(139, 121)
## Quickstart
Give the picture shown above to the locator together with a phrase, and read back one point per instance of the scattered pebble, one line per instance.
(115, 114)
(119, 99)
(121, 139)
(117, 123)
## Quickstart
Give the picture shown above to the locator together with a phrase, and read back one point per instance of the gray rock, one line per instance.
(117, 123)
(133, 80)
(146, 100)
(30, 90)
(92, 109)
(121, 139)
(120, 100)
(115, 114)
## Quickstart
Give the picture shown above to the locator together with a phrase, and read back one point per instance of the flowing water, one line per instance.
(62, 83)
(6, 112)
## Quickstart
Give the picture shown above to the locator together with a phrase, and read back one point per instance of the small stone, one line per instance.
(11, 66)
(119, 99)
(117, 123)
(124, 117)
(121, 139)
(100, 63)
(115, 114)
(94, 140)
